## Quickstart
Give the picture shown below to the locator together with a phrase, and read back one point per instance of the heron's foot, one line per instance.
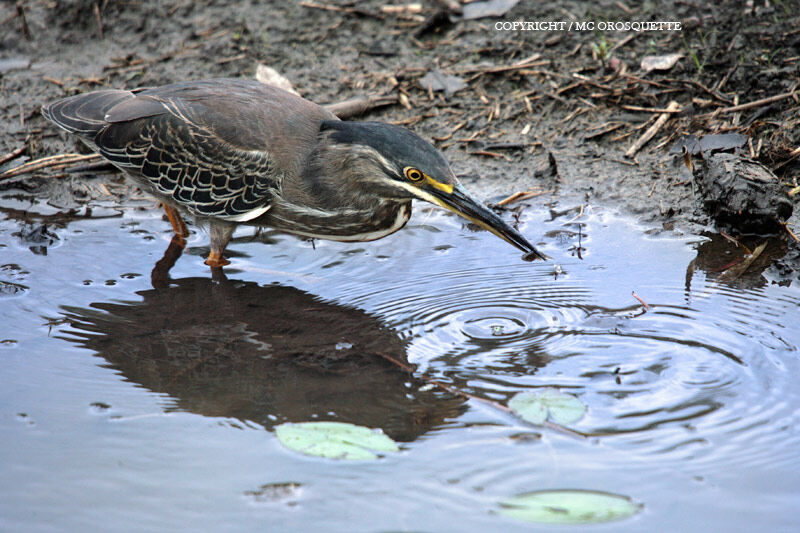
(216, 260)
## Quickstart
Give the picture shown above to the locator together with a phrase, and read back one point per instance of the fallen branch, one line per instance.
(652, 130)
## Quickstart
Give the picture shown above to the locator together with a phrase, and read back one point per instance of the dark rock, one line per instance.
(741, 193)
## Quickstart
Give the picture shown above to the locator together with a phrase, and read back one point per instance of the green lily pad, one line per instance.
(569, 507)
(536, 407)
(334, 440)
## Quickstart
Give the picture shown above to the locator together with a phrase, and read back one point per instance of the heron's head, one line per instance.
(404, 165)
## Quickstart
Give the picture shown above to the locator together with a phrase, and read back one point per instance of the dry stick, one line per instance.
(737, 271)
(606, 129)
(45, 162)
(522, 195)
(790, 232)
(649, 109)
(794, 154)
(750, 105)
(652, 130)
(26, 31)
(623, 42)
(633, 293)
(497, 405)
(360, 105)
(343, 9)
(98, 18)
(14, 153)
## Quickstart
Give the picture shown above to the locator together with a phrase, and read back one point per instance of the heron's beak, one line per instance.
(459, 201)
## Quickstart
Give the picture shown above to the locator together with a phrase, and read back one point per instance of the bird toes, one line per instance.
(216, 260)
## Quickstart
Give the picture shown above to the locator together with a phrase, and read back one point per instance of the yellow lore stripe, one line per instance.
(445, 187)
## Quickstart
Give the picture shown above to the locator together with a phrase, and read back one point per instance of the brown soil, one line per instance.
(557, 119)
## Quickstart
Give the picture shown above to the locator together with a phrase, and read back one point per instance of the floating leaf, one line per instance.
(569, 507)
(530, 407)
(535, 407)
(334, 440)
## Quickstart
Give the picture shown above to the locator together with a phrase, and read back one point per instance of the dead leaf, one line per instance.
(664, 62)
(436, 80)
(270, 76)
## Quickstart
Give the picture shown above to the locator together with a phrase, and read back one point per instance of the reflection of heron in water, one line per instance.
(267, 354)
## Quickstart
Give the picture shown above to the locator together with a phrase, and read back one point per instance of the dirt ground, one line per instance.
(552, 111)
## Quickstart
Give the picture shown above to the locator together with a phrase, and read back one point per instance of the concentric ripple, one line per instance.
(700, 366)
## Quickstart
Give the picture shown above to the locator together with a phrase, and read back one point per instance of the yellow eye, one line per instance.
(413, 174)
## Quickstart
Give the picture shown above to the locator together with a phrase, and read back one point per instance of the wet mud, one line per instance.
(140, 387)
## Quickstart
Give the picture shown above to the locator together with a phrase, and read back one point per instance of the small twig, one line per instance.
(794, 154)
(98, 18)
(608, 128)
(750, 105)
(522, 195)
(652, 130)
(457, 392)
(735, 241)
(633, 163)
(650, 109)
(624, 41)
(14, 153)
(46, 162)
(53, 80)
(26, 31)
(737, 271)
(360, 105)
(531, 61)
(343, 9)
(790, 232)
(488, 154)
(633, 293)
(231, 59)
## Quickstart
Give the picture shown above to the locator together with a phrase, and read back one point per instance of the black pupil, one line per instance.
(414, 174)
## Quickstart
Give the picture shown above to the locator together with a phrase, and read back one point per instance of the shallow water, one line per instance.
(137, 403)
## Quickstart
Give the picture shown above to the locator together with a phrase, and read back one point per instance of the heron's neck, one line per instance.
(339, 197)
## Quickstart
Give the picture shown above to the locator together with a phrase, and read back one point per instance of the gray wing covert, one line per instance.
(181, 157)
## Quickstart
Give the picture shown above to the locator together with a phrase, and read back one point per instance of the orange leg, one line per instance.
(178, 225)
(220, 233)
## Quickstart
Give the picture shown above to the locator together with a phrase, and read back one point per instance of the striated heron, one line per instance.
(230, 152)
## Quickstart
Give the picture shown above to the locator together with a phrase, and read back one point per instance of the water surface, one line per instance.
(141, 402)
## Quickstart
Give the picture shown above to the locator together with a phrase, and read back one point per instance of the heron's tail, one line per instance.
(84, 114)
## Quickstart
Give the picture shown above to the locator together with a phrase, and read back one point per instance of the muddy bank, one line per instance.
(556, 112)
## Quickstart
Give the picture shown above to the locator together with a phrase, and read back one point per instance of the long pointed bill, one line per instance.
(460, 202)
